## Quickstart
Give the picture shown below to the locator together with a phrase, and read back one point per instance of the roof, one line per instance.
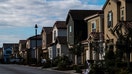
(10, 43)
(1, 49)
(127, 1)
(6, 45)
(48, 30)
(60, 24)
(80, 14)
(39, 37)
(101, 13)
(22, 41)
(62, 39)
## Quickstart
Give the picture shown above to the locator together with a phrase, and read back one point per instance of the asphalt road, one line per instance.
(20, 69)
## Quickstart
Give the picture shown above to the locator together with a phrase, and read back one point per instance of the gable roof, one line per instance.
(61, 39)
(80, 14)
(101, 13)
(48, 30)
(7, 45)
(127, 1)
(60, 25)
(39, 37)
(22, 41)
(1, 49)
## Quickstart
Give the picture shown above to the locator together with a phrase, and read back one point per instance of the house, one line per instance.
(32, 52)
(8, 51)
(46, 40)
(77, 27)
(117, 13)
(15, 50)
(22, 49)
(94, 44)
(59, 29)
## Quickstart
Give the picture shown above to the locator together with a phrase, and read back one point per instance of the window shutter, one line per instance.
(111, 19)
(108, 20)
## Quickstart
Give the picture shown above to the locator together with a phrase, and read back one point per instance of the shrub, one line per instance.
(63, 63)
(47, 64)
(55, 61)
(77, 68)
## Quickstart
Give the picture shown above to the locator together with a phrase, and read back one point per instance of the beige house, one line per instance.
(46, 40)
(22, 48)
(34, 54)
(115, 12)
(94, 43)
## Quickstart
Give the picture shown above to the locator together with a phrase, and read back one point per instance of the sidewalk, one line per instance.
(68, 71)
(53, 69)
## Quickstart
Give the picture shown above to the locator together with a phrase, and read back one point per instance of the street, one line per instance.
(20, 69)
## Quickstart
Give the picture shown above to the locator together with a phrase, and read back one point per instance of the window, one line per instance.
(110, 19)
(70, 28)
(94, 26)
(54, 35)
(50, 53)
(122, 15)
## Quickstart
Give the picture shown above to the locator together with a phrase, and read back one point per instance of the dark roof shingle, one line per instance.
(60, 24)
(81, 14)
(48, 30)
(22, 41)
(39, 37)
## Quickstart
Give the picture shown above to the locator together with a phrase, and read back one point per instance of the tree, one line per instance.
(76, 50)
(123, 32)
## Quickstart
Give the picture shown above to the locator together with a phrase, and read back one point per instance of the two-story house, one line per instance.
(46, 40)
(77, 27)
(8, 51)
(22, 49)
(15, 50)
(59, 31)
(94, 49)
(117, 16)
(32, 52)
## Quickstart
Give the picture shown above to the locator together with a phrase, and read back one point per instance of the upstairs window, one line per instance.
(110, 19)
(54, 35)
(94, 26)
(122, 15)
(70, 28)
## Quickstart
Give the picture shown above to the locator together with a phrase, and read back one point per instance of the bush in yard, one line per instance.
(47, 64)
(55, 61)
(77, 68)
(64, 63)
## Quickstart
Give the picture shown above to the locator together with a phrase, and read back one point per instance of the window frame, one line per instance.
(110, 19)
(93, 26)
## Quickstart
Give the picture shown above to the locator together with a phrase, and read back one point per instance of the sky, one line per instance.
(18, 17)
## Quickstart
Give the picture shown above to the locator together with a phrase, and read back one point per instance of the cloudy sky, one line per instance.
(18, 17)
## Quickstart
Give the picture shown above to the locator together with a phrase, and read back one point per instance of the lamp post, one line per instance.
(36, 43)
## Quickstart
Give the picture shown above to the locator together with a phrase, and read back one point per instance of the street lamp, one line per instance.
(36, 42)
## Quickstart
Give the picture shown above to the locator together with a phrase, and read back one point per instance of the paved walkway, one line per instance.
(53, 69)
(68, 71)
